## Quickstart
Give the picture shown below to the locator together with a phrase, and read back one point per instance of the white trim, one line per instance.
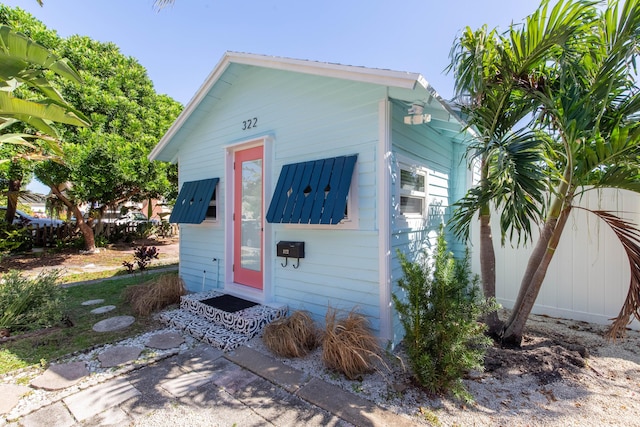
(413, 166)
(384, 218)
(399, 79)
(266, 295)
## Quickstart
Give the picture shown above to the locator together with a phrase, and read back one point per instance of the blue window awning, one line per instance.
(193, 201)
(313, 192)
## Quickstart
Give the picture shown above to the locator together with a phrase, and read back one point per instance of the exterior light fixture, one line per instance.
(416, 115)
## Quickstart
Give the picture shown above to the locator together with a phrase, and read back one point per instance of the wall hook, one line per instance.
(286, 262)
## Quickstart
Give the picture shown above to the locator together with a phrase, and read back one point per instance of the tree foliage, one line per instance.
(106, 163)
(30, 105)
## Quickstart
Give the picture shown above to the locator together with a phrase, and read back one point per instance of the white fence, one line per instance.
(588, 278)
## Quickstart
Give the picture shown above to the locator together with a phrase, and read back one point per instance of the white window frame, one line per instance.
(405, 165)
(214, 200)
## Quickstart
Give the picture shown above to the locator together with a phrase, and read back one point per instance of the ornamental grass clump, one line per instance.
(154, 295)
(27, 303)
(440, 308)
(293, 336)
(348, 345)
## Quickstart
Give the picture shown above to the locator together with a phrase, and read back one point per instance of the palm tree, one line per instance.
(494, 73)
(23, 62)
(160, 4)
(592, 114)
(584, 103)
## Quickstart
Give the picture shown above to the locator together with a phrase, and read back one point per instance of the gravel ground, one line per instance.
(547, 382)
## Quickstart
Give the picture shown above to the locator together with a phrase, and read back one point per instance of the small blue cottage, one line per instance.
(300, 179)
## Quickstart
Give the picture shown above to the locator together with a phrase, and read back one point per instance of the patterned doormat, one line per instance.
(228, 303)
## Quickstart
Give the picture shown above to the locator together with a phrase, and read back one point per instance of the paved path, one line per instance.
(203, 386)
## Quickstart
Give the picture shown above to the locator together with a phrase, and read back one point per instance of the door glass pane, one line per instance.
(251, 233)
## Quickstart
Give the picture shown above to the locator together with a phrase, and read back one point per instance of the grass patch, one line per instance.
(155, 294)
(106, 274)
(48, 344)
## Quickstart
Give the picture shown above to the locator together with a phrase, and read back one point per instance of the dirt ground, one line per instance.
(71, 259)
(566, 373)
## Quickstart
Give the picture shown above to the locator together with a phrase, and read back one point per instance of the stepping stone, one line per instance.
(114, 323)
(165, 341)
(103, 309)
(94, 400)
(118, 355)
(61, 376)
(11, 394)
(185, 383)
(93, 302)
(54, 415)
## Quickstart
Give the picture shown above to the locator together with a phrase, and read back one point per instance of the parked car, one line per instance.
(136, 218)
(23, 218)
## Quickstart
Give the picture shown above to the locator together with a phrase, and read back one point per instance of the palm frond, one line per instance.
(629, 236)
(11, 106)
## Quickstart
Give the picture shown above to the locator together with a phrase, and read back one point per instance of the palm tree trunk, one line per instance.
(488, 271)
(530, 287)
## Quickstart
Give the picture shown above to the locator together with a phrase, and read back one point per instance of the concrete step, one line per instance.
(203, 330)
(219, 328)
(249, 321)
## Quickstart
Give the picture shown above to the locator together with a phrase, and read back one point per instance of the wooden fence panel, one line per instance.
(47, 236)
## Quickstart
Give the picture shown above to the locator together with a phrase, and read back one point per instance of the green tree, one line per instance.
(494, 75)
(567, 109)
(106, 164)
(30, 103)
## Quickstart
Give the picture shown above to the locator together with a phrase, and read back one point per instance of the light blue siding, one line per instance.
(420, 145)
(308, 117)
(199, 245)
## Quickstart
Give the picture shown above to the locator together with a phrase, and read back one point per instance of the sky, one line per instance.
(181, 44)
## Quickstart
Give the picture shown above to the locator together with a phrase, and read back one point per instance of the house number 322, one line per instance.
(248, 124)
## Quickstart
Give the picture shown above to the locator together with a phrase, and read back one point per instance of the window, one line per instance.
(196, 202)
(413, 192)
(212, 209)
(313, 192)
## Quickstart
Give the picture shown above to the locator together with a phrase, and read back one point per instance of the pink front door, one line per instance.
(248, 217)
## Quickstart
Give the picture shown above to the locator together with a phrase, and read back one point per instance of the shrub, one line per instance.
(14, 238)
(142, 256)
(145, 229)
(293, 336)
(439, 312)
(28, 304)
(151, 296)
(348, 345)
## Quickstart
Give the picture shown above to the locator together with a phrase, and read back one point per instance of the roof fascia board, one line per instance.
(392, 78)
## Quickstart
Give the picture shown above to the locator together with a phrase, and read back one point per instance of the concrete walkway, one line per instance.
(203, 386)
